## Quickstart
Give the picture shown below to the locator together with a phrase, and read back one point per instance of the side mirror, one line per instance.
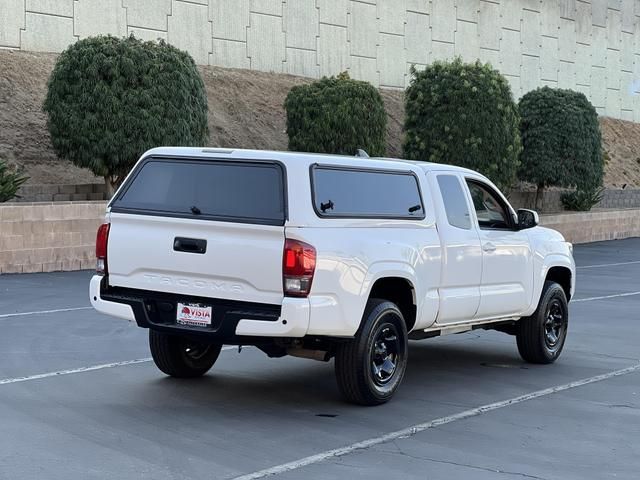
(527, 219)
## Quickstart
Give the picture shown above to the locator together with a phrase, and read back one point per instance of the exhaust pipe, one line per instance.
(319, 355)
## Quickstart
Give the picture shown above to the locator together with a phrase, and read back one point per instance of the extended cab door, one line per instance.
(507, 261)
(461, 269)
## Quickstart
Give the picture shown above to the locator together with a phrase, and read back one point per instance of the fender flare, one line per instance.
(382, 270)
(549, 261)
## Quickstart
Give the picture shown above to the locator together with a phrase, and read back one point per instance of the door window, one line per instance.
(491, 211)
(455, 203)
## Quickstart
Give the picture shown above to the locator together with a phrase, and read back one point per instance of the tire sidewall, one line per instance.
(554, 291)
(383, 314)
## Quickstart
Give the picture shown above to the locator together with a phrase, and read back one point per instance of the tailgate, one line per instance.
(241, 262)
(200, 228)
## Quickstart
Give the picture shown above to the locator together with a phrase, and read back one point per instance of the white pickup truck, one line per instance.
(322, 256)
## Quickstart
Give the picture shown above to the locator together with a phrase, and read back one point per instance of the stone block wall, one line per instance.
(591, 46)
(45, 237)
(595, 226)
(611, 199)
(61, 193)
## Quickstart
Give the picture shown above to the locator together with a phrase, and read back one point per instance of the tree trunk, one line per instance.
(540, 197)
(111, 183)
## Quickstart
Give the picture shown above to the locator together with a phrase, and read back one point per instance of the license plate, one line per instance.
(193, 315)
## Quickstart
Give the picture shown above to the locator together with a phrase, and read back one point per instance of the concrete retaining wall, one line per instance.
(595, 226)
(611, 199)
(61, 193)
(590, 46)
(45, 237)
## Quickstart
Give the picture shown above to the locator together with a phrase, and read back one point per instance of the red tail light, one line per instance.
(101, 249)
(298, 267)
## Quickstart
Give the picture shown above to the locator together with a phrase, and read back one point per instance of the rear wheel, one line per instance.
(181, 357)
(370, 367)
(541, 336)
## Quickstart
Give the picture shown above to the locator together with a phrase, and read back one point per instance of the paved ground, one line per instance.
(251, 413)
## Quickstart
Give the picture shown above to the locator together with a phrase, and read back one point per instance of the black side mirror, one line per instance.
(527, 219)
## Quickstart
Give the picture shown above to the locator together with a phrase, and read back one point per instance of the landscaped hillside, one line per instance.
(245, 111)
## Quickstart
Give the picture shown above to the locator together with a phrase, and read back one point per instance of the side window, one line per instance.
(343, 192)
(490, 209)
(455, 203)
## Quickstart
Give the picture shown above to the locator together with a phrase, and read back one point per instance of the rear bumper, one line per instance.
(232, 321)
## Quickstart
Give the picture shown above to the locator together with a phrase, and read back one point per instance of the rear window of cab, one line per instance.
(244, 192)
(365, 193)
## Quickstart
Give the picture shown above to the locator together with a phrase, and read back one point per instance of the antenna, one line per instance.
(361, 153)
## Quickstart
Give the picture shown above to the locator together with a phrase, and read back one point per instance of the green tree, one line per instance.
(336, 115)
(463, 114)
(110, 99)
(561, 140)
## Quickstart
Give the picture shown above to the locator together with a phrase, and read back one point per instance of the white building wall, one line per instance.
(590, 46)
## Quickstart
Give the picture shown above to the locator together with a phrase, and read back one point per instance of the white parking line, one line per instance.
(91, 368)
(72, 371)
(609, 264)
(604, 297)
(41, 312)
(410, 431)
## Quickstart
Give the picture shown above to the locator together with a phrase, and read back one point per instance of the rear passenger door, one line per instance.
(507, 261)
(461, 269)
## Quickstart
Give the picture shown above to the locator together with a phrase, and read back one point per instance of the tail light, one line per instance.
(102, 239)
(298, 267)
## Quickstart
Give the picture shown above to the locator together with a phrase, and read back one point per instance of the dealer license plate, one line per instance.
(193, 315)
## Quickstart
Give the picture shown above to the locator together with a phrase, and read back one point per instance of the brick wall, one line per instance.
(584, 227)
(45, 237)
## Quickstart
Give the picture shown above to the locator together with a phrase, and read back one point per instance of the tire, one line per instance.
(541, 336)
(370, 367)
(180, 357)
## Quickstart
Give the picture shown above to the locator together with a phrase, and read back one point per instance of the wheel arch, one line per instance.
(559, 268)
(562, 275)
(399, 290)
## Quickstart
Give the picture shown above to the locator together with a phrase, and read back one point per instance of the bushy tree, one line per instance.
(10, 182)
(562, 141)
(110, 99)
(336, 115)
(463, 114)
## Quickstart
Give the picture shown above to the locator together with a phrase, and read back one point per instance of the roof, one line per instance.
(309, 158)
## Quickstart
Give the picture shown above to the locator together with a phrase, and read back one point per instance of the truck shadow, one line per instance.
(451, 373)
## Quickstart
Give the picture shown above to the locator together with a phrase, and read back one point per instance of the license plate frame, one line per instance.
(194, 315)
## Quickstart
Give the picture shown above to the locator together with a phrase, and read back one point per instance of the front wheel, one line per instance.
(182, 357)
(370, 367)
(541, 336)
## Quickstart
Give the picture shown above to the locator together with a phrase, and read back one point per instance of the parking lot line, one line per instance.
(413, 430)
(73, 370)
(41, 312)
(604, 297)
(91, 368)
(602, 265)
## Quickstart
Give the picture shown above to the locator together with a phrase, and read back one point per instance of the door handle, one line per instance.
(189, 245)
(489, 247)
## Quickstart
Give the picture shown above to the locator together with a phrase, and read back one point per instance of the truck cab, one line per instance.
(324, 256)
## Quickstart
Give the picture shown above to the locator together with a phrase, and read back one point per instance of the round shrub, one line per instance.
(463, 114)
(110, 99)
(336, 115)
(561, 140)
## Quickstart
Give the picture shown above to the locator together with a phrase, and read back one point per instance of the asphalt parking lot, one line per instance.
(79, 398)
